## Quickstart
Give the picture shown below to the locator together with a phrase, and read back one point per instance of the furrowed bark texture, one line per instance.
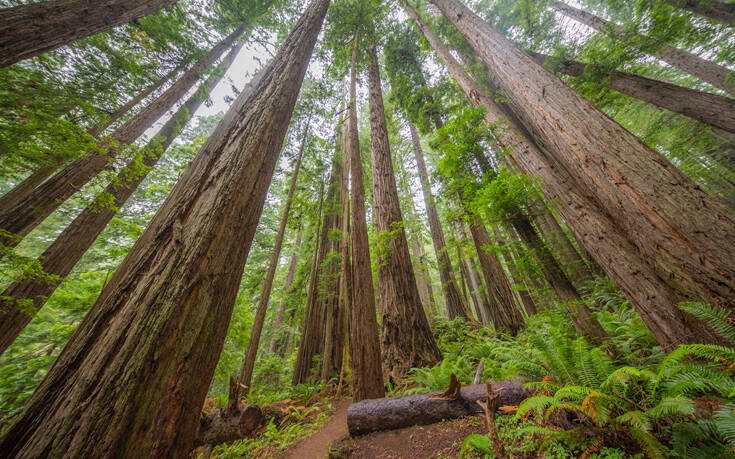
(246, 372)
(33, 29)
(272, 346)
(407, 341)
(454, 304)
(136, 371)
(24, 188)
(689, 235)
(69, 247)
(716, 10)
(718, 111)
(325, 284)
(649, 293)
(705, 70)
(340, 352)
(22, 218)
(364, 341)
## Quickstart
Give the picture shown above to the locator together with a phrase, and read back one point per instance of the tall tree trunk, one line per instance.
(585, 323)
(454, 304)
(22, 218)
(421, 273)
(286, 288)
(24, 188)
(705, 70)
(479, 295)
(689, 235)
(364, 341)
(407, 341)
(325, 284)
(556, 239)
(717, 10)
(32, 29)
(505, 311)
(246, 372)
(510, 262)
(69, 247)
(345, 278)
(650, 294)
(136, 371)
(717, 111)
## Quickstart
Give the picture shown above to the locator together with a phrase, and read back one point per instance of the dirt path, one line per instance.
(317, 446)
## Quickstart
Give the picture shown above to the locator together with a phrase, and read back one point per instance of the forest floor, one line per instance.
(443, 439)
(317, 445)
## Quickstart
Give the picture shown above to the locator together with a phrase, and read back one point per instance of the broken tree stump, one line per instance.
(396, 412)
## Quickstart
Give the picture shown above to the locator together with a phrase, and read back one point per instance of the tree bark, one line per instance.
(22, 218)
(585, 323)
(367, 380)
(421, 409)
(454, 304)
(689, 235)
(407, 341)
(246, 372)
(705, 70)
(68, 248)
(717, 111)
(272, 346)
(506, 313)
(556, 239)
(478, 292)
(24, 188)
(510, 262)
(325, 284)
(29, 30)
(136, 371)
(716, 10)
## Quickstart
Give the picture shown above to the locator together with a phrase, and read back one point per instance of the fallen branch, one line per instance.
(489, 408)
(397, 412)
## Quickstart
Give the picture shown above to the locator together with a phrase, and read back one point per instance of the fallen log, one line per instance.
(224, 426)
(396, 412)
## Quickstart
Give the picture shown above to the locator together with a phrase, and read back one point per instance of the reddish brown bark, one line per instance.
(32, 29)
(248, 364)
(69, 247)
(135, 373)
(649, 293)
(272, 346)
(325, 283)
(22, 218)
(367, 381)
(705, 70)
(510, 262)
(453, 301)
(687, 234)
(718, 111)
(407, 341)
(716, 10)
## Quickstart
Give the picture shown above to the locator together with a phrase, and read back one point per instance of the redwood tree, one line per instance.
(63, 254)
(407, 340)
(246, 372)
(32, 29)
(135, 373)
(705, 70)
(25, 215)
(650, 294)
(364, 342)
(687, 234)
(454, 304)
(290, 276)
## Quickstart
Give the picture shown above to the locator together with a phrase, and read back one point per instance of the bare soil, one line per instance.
(418, 442)
(317, 445)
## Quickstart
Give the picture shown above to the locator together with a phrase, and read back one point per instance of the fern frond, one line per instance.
(717, 318)
(649, 444)
(724, 420)
(536, 403)
(636, 420)
(672, 407)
